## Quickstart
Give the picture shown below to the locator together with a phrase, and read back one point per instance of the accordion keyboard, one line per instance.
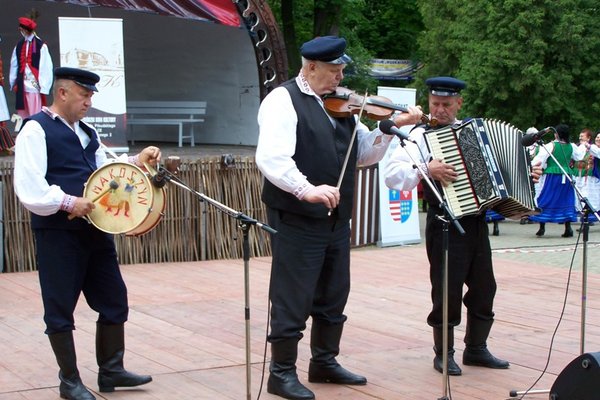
(459, 194)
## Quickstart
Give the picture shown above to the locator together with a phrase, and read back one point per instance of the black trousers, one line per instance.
(71, 262)
(310, 274)
(469, 263)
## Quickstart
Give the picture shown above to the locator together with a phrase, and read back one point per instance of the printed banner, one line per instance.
(399, 210)
(96, 45)
(383, 69)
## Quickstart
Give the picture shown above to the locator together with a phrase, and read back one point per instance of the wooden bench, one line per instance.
(177, 113)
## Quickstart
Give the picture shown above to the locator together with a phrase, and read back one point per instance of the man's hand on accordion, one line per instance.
(439, 171)
(536, 171)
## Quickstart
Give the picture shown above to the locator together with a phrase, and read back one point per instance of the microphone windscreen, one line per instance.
(386, 126)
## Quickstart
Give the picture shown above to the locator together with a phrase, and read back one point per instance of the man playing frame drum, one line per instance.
(55, 155)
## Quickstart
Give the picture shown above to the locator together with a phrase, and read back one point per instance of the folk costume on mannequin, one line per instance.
(31, 70)
(300, 152)
(55, 155)
(469, 256)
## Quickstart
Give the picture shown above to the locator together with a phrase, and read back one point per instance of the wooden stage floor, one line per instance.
(187, 329)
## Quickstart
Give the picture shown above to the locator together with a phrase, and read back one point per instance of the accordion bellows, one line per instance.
(493, 168)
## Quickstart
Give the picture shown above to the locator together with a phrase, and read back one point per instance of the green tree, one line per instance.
(525, 62)
(373, 28)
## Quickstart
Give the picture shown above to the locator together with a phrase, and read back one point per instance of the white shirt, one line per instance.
(543, 155)
(46, 72)
(277, 121)
(31, 166)
(400, 172)
(595, 151)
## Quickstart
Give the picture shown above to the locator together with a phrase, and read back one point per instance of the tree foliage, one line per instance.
(525, 62)
(373, 28)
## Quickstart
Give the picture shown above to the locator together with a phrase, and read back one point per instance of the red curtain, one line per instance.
(219, 11)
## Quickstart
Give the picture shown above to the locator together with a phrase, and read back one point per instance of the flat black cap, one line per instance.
(445, 86)
(82, 77)
(329, 49)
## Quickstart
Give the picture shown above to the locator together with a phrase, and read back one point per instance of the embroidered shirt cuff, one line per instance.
(68, 203)
(301, 190)
(135, 160)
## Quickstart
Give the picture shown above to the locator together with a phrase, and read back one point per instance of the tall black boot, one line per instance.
(71, 386)
(110, 349)
(496, 231)
(438, 361)
(476, 352)
(325, 346)
(283, 380)
(568, 230)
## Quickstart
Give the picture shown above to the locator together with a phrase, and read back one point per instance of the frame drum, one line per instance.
(125, 199)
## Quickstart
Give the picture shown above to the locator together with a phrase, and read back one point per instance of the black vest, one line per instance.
(69, 166)
(320, 153)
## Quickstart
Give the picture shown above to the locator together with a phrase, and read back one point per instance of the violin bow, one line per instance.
(339, 183)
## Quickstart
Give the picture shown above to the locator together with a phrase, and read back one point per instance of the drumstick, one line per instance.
(112, 185)
(109, 151)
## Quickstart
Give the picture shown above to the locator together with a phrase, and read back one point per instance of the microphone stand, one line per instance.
(587, 208)
(244, 222)
(446, 219)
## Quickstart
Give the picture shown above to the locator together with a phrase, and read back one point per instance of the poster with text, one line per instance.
(96, 45)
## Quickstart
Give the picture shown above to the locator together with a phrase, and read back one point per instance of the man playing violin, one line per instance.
(55, 154)
(301, 152)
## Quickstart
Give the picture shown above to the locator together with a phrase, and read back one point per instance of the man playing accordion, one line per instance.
(469, 256)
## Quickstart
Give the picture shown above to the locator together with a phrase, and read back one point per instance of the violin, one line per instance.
(344, 103)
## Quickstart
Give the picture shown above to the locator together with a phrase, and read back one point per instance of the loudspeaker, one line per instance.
(580, 380)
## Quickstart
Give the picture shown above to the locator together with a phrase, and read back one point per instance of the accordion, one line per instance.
(492, 166)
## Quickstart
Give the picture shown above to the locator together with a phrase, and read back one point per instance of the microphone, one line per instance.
(531, 138)
(160, 179)
(389, 128)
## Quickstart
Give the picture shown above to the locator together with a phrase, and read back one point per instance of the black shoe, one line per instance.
(286, 385)
(73, 389)
(540, 232)
(496, 231)
(108, 381)
(453, 368)
(333, 373)
(480, 356)
(568, 233)
(523, 221)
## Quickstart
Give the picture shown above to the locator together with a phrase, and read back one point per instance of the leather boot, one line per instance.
(438, 361)
(542, 230)
(476, 352)
(568, 230)
(496, 231)
(110, 349)
(71, 386)
(325, 346)
(283, 380)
